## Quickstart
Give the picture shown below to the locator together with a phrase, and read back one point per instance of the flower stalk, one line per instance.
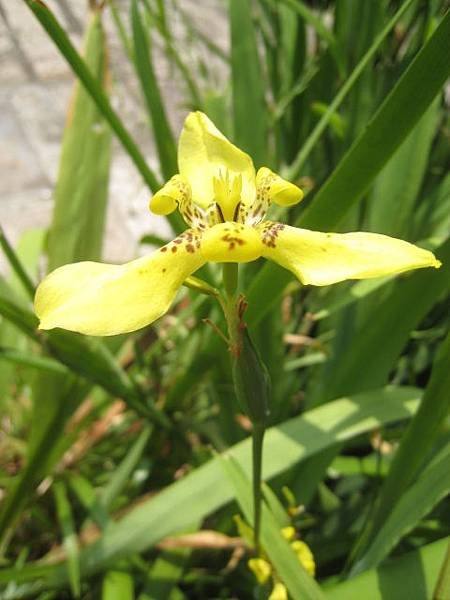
(251, 382)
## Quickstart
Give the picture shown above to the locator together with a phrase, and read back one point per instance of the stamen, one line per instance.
(227, 193)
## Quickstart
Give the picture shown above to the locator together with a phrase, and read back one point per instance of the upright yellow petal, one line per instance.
(277, 189)
(322, 258)
(204, 153)
(98, 299)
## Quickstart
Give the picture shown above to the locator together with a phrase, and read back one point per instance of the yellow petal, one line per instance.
(231, 242)
(98, 299)
(204, 153)
(260, 568)
(176, 191)
(322, 258)
(279, 592)
(305, 556)
(273, 188)
(288, 533)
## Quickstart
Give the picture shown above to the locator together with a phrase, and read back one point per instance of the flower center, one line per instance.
(227, 195)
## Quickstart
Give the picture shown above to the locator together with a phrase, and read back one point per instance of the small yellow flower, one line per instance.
(261, 569)
(305, 556)
(288, 533)
(224, 203)
(279, 592)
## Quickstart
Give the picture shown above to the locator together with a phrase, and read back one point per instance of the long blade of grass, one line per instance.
(390, 125)
(118, 585)
(65, 46)
(416, 502)
(35, 362)
(16, 265)
(165, 142)
(411, 576)
(249, 110)
(124, 470)
(70, 542)
(397, 187)
(415, 446)
(76, 232)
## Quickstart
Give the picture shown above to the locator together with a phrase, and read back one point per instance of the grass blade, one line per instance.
(143, 61)
(249, 110)
(413, 504)
(411, 576)
(117, 585)
(415, 446)
(16, 265)
(78, 220)
(70, 542)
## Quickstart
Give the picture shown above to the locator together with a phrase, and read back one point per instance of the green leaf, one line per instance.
(28, 360)
(149, 85)
(70, 542)
(412, 576)
(432, 486)
(300, 584)
(125, 468)
(117, 585)
(81, 190)
(16, 265)
(164, 574)
(398, 185)
(249, 110)
(416, 444)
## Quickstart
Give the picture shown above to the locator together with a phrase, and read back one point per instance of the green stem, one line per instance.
(251, 382)
(230, 280)
(257, 445)
(16, 265)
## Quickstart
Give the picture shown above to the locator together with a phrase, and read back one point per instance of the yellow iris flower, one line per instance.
(224, 203)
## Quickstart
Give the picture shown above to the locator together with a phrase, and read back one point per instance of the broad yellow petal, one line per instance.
(204, 153)
(98, 299)
(231, 242)
(322, 258)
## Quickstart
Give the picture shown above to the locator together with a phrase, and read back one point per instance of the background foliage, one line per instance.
(112, 482)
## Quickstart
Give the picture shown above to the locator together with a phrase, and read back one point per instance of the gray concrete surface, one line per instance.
(35, 86)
